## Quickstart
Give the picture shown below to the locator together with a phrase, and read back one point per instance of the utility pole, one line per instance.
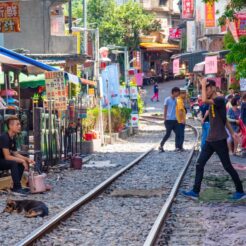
(97, 75)
(85, 25)
(70, 15)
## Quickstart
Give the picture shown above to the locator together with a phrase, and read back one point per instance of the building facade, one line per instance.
(42, 29)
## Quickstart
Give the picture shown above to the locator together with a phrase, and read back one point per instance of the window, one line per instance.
(162, 2)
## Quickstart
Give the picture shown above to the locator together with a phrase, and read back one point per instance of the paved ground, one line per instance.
(164, 91)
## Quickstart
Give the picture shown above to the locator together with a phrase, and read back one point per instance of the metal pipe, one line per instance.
(70, 16)
(97, 75)
(109, 114)
(85, 25)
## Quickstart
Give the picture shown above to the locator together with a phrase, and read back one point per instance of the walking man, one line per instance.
(10, 159)
(170, 120)
(156, 92)
(216, 141)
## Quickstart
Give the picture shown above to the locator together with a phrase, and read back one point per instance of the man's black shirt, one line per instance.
(7, 143)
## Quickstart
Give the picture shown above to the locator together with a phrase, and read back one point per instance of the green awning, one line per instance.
(30, 81)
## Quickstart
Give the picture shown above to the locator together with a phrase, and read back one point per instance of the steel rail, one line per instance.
(53, 222)
(154, 232)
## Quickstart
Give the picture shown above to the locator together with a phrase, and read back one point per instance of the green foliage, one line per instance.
(235, 86)
(237, 56)
(228, 41)
(125, 24)
(119, 118)
(75, 89)
(89, 123)
(140, 105)
(119, 25)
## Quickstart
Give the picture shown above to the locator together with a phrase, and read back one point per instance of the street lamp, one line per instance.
(96, 73)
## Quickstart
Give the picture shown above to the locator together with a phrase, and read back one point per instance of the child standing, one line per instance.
(156, 92)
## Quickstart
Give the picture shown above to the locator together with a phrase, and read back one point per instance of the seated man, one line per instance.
(10, 159)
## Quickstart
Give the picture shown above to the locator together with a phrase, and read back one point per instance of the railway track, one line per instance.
(103, 191)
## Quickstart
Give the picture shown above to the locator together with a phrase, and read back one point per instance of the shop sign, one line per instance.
(137, 59)
(176, 66)
(211, 66)
(243, 84)
(91, 91)
(175, 33)
(187, 9)
(241, 24)
(134, 120)
(209, 14)
(9, 17)
(139, 79)
(191, 36)
(56, 89)
(133, 92)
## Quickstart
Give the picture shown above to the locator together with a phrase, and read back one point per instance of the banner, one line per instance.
(187, 9)
(137, 59)
(233, 28)
(209, 15)
(191, 36)
(241, 24)
(211, 66)
(175, 33)
(56, 89)
(111, 85)
(9, 17)
(176, 66)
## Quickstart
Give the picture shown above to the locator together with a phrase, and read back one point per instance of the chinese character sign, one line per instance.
(176, 66)
(209, 15)
(191, 36)
(137, 60)
(9, 17)
(187, 9)
(56, 89)
(241, 24)
(211, 66)
(174, 33)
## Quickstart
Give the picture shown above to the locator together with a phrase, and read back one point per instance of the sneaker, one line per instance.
(191, 194)
(161, 149)
(238, 196)
(177, 150)
(27, 189)
(20, 192)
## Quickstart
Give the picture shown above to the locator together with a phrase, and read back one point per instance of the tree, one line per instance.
(118, 25)
(125, 23)
(237, 54)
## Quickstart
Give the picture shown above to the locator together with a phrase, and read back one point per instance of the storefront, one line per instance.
(155, 57)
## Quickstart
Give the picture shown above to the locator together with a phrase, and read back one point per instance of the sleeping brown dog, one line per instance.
(32, 208)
